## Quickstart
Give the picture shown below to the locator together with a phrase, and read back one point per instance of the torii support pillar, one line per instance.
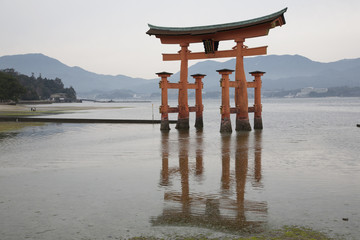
(257, 99)
(225, 125)
(241, 96)
(164, 108)
(183, 117)
(198, 100)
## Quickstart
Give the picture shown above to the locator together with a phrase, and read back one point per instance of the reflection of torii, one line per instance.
(188, 214)
(183, 159)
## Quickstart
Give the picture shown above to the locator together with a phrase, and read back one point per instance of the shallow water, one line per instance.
(100, 181)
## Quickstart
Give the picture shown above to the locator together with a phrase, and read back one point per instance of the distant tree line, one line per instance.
(338, 92)
(15, 86)
(10, 88)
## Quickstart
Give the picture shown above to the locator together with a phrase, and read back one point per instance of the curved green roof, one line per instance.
(198, 30)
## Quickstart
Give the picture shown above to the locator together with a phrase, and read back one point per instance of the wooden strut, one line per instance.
(225, 108)
(217, 54)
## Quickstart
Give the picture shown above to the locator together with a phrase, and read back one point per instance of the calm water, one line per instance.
(103, 181)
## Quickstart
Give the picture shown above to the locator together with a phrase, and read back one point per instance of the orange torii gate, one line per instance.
(210, 36)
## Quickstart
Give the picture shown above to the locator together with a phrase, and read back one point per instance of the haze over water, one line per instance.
(97, 181)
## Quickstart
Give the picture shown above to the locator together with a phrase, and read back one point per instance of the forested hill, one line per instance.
(80, 79)
(32, 88)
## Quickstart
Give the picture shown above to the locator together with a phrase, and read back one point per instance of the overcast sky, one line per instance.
(108, 36)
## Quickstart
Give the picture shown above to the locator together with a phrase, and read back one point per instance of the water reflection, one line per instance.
(257, 162)
(226, 210)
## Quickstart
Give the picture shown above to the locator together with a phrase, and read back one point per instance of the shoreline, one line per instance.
(45, 109)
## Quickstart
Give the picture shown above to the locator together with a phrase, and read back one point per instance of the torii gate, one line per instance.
(210, 36)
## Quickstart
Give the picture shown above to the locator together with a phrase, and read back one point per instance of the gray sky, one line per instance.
(108, 36)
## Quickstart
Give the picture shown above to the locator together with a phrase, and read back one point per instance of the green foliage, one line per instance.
(295, 233)
(15, 126)
(39, 88)
(10, 88)
(70, 92)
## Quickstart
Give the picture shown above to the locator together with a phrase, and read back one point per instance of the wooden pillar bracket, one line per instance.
(234, 110)
(163, 108)
(199, 107)
(163, 84)
(258, 107)
(225, 109)
(251, 84)
(233, 84)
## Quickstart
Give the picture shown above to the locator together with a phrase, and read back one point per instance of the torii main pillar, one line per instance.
(211, 36)
(241, 96)
(183, 117)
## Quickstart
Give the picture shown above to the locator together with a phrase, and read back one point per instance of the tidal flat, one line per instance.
(121, 181)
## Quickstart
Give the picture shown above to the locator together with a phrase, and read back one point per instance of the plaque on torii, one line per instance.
(211, 36)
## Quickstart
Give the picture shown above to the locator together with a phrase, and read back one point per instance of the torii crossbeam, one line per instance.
(210, 36)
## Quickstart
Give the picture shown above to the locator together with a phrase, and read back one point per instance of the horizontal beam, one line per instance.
(192, 109)
(173, 110)
(173, 85)
(199, 55)
(192, 86)
(250, 84)
(217, 54)
(235, 84)
(176, 109)
(255, 51)
(177, 86)
(250, 109)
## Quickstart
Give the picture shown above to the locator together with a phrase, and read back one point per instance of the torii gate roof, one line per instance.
(270, 21)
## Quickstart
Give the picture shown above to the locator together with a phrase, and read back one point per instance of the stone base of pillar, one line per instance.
(225, 126)
(243, 125)
(258, 123)
(182, 124)
(199, 122)
(164, 125)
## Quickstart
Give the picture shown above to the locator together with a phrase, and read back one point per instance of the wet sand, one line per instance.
(50, 108)
(12, 108)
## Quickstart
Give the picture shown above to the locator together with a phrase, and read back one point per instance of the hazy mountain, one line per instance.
(282, 72)
(80, 79)
(286, 72)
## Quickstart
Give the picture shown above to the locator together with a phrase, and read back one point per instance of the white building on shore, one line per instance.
(306, 91)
